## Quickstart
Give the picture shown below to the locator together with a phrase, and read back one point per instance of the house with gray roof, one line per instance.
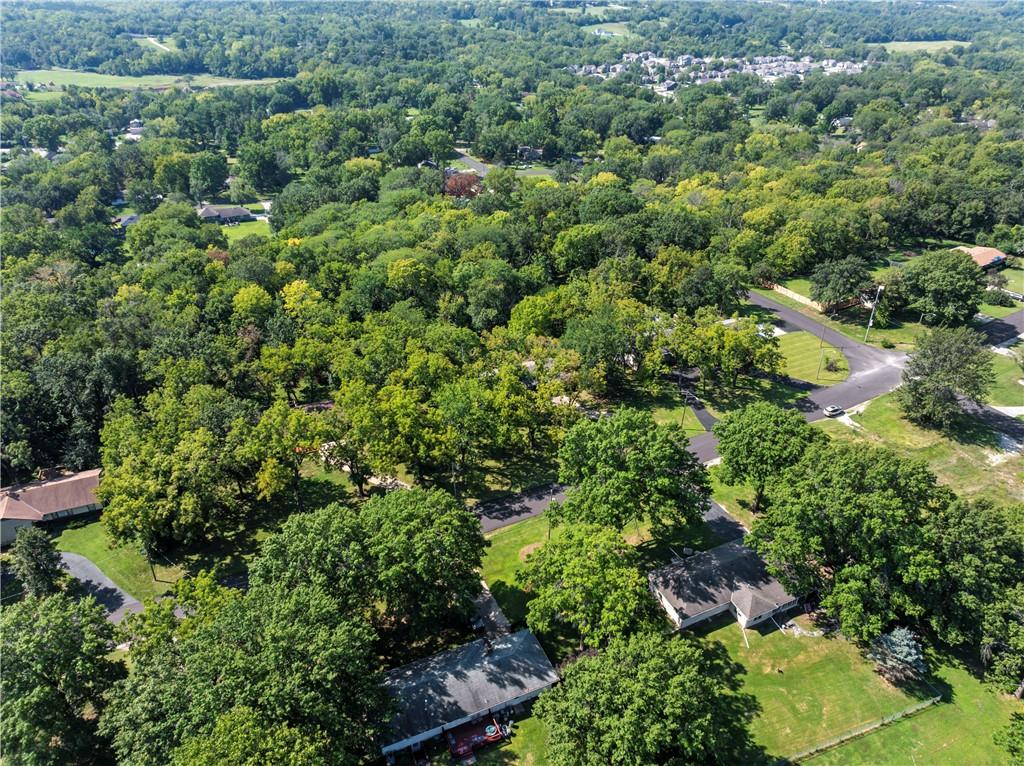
(224, 213)
(729, 578)
(461, 685)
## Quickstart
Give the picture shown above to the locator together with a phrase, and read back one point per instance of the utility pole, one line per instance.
(871, 319)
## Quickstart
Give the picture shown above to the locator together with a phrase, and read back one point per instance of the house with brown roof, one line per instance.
(728, 578)
(985, 257)
(47, 500)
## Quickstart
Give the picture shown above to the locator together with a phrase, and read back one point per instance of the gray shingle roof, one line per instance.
(729, 573)
(466, 681)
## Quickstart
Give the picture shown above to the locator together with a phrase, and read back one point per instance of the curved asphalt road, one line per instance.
(116, 601)
(873, 372)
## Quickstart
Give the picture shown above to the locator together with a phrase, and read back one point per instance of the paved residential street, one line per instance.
(117, 603)
(473, 164)
(873, 372)
(1002, 330)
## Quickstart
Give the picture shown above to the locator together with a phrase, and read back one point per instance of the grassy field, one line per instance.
(246, 229)
(42, 96)
(956, 732)
(1014, 278)
(125, 565)
(666, 406)
(807, 359)
(1007, 392)
(153, 43)
(809, 687)
(614, 28)
(969, 460)
(990, 309)
(915, 46)
(64, 77)
(720, 399)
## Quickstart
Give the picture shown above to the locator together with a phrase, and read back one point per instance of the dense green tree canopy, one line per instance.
(56, 671)
(648, 699)
(589, 579)
(624, 468)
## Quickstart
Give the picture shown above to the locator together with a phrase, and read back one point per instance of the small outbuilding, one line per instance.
(470, 683)
(985, 257)
(729, 578)
(47, 500)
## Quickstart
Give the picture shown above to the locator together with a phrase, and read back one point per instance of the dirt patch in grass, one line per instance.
(527, 550)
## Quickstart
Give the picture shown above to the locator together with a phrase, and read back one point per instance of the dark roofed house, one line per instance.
(729, 578)
(223, 213)
(460, 686)
(985, 257)
(46, 500)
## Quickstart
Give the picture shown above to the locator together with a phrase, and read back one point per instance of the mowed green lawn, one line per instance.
(666, 406)
(615, 28)
(237, 231)
(807, 358)
(990, 309)
(809, 688)
(1006, 391)
(914, 46)
(123, 564)
(956, 732)
(96, 80)
(527, 747)
(970, 460)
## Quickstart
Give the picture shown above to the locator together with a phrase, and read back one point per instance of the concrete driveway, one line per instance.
(116, 601)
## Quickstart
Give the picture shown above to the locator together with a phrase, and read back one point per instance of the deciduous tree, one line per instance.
(624, 468)
(648, 699)
(427, 550)
(759, 442)
(949, 363)
(587, 578)
(56, 670)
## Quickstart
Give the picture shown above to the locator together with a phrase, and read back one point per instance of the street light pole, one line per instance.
(871, 319)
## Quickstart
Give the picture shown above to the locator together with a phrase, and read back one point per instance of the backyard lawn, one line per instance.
(809, 687)
(969, 460)
(123, 564)
(236, 231)
(737, 499)
(808, 359)
(956, 732)
(527, 746)
(1007, 391)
